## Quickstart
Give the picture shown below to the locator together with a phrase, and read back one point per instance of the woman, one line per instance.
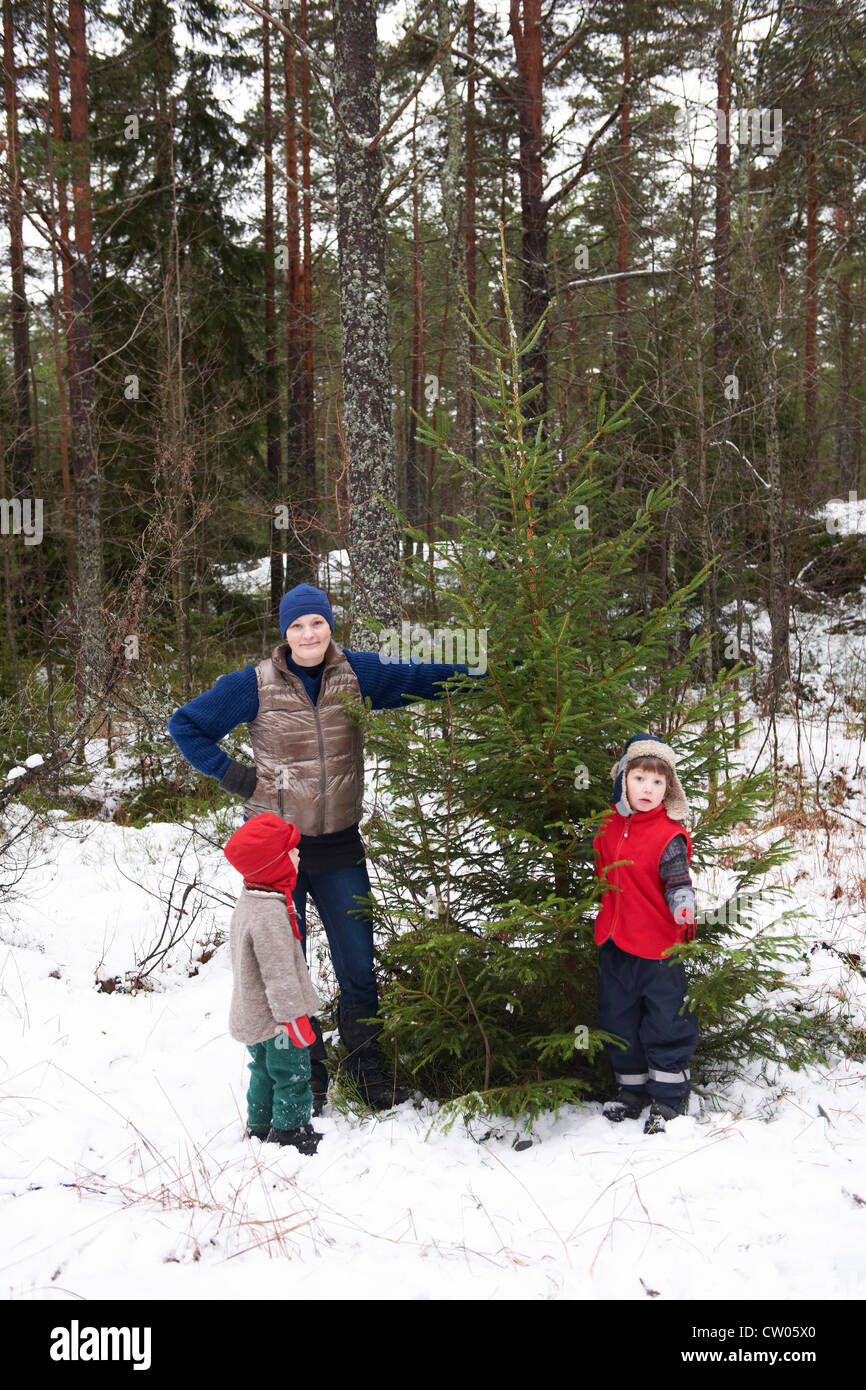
(309, 769)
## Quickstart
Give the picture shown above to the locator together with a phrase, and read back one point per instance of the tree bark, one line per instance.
(778, 598)
(810, 367)
(622, 216)
(22, 444)
(722, 242)
(309, 388)
(471, 239)
(703, 492)
(453, 212)
(844, 450)
(91, 656)
(276, 535)
(177, 454)
(63, 227)
(536, 289)
(298, 566)
(373, 532)
(413, 471)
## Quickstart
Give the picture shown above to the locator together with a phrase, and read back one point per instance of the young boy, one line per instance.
(273, 995)
(649, 908)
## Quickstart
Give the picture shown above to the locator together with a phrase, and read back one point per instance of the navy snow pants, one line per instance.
(640, 1000)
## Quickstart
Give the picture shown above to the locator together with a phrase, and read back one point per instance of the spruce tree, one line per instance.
(486, 802)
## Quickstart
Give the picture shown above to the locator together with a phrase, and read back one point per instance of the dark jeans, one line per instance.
(640, 1000)
(348, 927)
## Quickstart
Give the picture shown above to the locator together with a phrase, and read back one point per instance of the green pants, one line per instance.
(279, 1091)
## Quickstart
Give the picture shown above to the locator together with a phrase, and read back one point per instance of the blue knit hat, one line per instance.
(304, 599)
(649, 746)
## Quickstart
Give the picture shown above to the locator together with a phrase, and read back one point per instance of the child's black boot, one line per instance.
(660, 1113)
(626, 1105)
(305, 1140)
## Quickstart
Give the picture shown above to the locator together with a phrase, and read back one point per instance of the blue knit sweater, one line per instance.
(198, 727)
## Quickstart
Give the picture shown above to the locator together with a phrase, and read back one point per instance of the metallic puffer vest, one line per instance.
(310, 758)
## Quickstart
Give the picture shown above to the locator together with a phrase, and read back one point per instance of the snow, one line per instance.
(844, 517)
(124, 1173)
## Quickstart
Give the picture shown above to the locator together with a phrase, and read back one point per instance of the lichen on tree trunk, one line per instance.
(373, 529)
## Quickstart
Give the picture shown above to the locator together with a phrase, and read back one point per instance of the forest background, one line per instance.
(226, 315)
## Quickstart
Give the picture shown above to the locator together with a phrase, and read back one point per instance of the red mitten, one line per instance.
(300, 1031)
(685, 919)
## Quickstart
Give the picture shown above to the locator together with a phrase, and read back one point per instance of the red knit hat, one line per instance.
(259, 850)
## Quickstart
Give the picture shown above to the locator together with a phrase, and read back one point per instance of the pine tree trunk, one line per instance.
(373, 533)
(708, 624)
(844, 450)
(9, 605)
(453, 213)
(309, 390)
(276, 535)
(722, 242)
(413, 472)
(22, 446)
(298, 564)
(436, 473)
(22, 480)
(62, 224)
(536, 290)
(471, 248)
(810, 367)
(622, 217)
(91, 657)
(722, 331)
(179, 481)
(778, 604)
(42, 623)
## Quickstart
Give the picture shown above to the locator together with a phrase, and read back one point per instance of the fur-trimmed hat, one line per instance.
(649, 746)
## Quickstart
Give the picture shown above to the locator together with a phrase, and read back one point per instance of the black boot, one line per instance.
(318, 1070)
(660, 1113)
(365, 1063)
(305, 1140)
(626, 1105)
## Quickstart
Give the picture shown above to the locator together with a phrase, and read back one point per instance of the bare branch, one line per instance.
(319, 69)
(623, 275)
(567, 47)
(311, 56)
(584, 163)
(391, 60)
(307, 193)
(721, 443)
(507, 87)
(440, 49)
(418, 181)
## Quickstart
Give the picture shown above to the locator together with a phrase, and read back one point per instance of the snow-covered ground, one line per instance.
(124, 1173)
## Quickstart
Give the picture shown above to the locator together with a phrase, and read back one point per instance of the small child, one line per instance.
(272, 984)
(649, 908)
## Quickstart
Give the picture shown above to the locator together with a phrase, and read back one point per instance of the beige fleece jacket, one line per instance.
(271, 982)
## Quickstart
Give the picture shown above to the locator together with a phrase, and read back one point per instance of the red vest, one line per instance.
(633, 911)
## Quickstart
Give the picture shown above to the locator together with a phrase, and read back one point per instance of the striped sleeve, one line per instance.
(676, 879)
